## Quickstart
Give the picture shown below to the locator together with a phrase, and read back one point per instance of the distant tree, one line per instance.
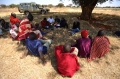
(3, 6)
(70, 5)
(60, 5)
(50, 5)
(13, 5)
(87, 7)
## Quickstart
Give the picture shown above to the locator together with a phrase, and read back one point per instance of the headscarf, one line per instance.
(84, 33)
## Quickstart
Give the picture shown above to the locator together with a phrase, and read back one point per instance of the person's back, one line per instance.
(14, 19)
(83, 44)
(67, 62)
(100, 46)
(76, 24)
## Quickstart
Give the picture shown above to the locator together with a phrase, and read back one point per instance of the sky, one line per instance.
(115, 3)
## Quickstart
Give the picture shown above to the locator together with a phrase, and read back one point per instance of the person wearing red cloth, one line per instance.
(45, 24)
(14, 19)
(100, 46)
(67, 63)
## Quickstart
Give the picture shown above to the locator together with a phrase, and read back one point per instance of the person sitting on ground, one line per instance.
(57, 22)
(14, 19)
(76, 26)
(51, 20)
(4, 25)
(45, 24)
(36, 47)
(25, 27)
(83, 44)
(67, 63)
(1, 32)
(100, 46)
(63, 23)
(14, 31)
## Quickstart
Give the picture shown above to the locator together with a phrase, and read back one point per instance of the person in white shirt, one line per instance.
(51, 20)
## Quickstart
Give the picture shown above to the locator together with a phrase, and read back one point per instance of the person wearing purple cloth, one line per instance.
(83, 44)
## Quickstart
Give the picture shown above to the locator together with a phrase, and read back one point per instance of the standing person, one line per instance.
(63, 23)
(14, 19)
(67, 63)
(83, 44)
(35, 46)
(100, 46)
(25, 27)
(76, 26)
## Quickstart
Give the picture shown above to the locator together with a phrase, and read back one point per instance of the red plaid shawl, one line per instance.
(99, 47)
(24, 29)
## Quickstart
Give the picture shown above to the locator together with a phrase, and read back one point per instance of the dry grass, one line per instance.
(107, 67)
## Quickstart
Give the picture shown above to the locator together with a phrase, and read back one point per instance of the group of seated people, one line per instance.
(51, 23)
(66, 55)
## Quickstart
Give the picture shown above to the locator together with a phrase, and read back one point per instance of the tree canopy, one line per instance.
(87, 7)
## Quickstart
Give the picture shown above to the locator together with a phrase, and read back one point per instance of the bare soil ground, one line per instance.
(107, 67)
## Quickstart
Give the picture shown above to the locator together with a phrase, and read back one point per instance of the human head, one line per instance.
(30, 17)
(100, 33)
(2, 21)
(13, 14)
(36, 25)
(32, 36)
(45, 19)
(84, 33)
(67, 48)
(50, 16)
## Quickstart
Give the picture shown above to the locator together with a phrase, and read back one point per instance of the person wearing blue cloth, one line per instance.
(76, 27)
(36, 47)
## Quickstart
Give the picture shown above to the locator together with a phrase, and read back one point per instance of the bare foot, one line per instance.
(22, 57)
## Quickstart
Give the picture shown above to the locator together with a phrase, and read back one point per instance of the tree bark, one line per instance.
(87, 10)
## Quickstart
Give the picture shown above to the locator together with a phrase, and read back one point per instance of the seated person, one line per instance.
(45, 24)
(63, 23)
(51, 20)
(25, 27)
(76, 26)
(83, 44)
(57, 22)
(36, 47)
(1, 32)
(14, 19)
(4, 25)
(14, 31)
(100, 46)
(117, 33)
(67, 63)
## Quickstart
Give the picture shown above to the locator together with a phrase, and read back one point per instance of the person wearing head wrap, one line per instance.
(14, 19)
(83, 44)
(25, 27)
(100, 46)
(67, 63)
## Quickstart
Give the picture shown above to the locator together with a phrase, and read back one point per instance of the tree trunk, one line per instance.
(87, 10)
(86, 13)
